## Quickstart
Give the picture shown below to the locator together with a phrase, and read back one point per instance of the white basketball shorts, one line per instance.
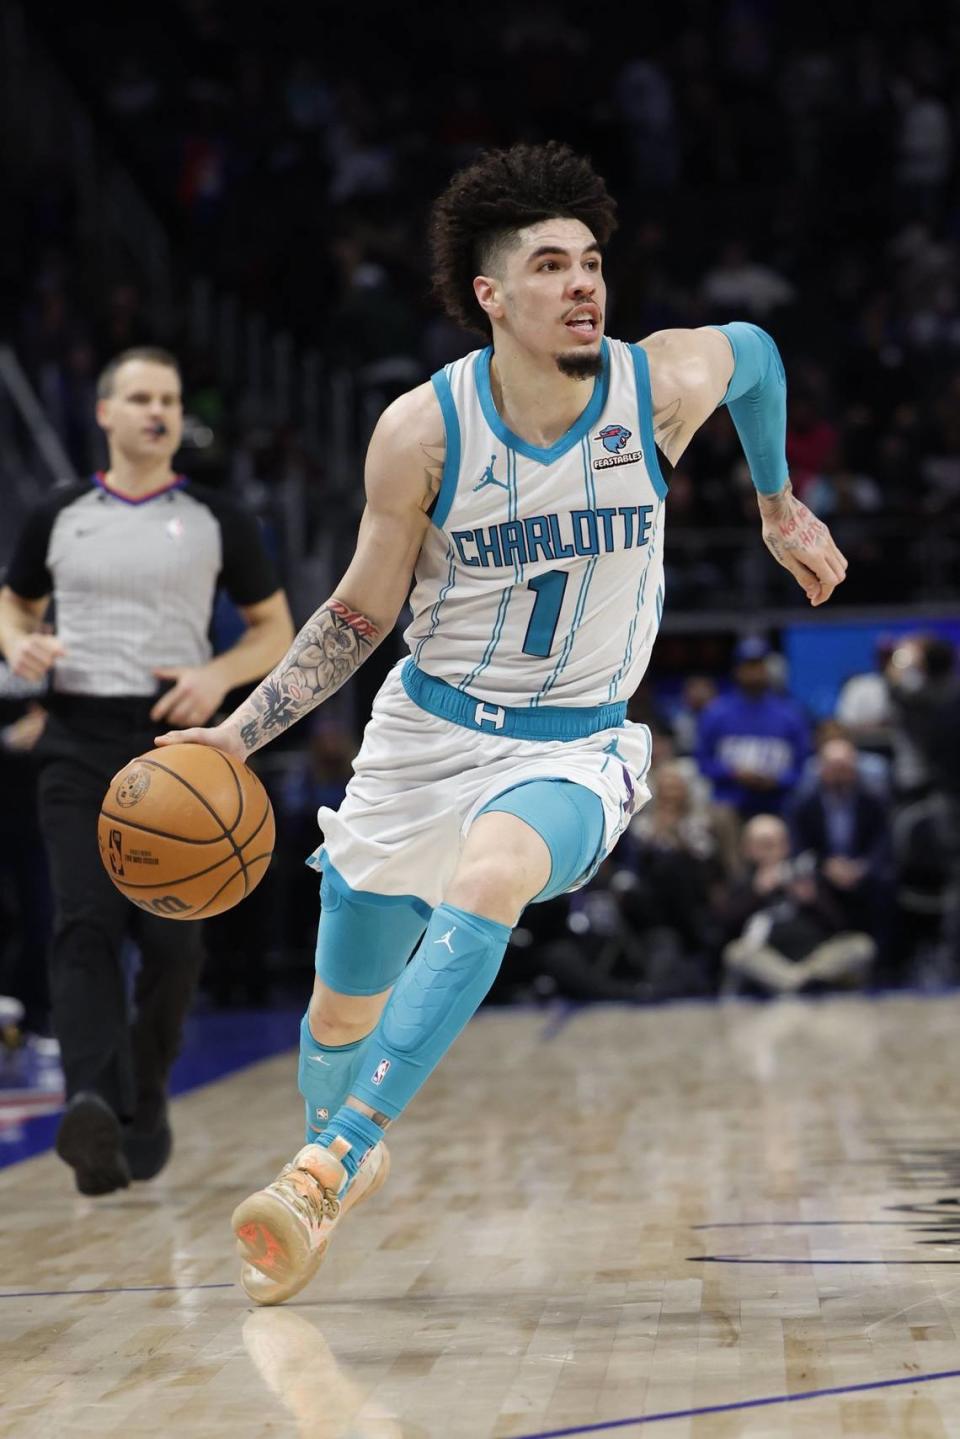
(419, 781)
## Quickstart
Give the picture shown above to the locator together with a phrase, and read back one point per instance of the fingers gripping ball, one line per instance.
(186, 831)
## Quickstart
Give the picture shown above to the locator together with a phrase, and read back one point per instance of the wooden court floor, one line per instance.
(697, 1222)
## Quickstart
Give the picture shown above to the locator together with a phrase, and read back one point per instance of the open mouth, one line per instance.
(584, 322)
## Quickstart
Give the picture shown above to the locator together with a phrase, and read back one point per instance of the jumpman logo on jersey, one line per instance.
(489, 478)
(445, 938)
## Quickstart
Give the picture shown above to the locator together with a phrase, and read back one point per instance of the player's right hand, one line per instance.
(33, 655)
(221, 736)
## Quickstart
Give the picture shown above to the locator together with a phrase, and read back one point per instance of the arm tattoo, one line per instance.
(332, 644)
(667, 424)
(434, 456)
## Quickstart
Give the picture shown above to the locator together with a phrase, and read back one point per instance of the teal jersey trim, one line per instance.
(641, 371)
(451, 461)
(435, 612)
(494, 639)
(566, 442)
(513, 508)
(641, 594)
(590, 496)
(552, 722)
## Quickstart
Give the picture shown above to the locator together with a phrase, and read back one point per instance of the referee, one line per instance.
(132, 560)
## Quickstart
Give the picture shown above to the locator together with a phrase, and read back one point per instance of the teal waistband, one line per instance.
(546, 723)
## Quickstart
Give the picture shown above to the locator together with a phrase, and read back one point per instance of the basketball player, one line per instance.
(522, 489)
(132, 559)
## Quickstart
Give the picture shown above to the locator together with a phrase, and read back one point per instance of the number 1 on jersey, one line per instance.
(549, 590)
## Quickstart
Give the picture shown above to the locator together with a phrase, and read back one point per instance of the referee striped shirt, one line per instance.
(134, 581)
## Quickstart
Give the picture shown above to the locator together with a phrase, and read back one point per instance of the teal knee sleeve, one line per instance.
(568, 818)
(436, 995)
(364, 940)
(325, 1078)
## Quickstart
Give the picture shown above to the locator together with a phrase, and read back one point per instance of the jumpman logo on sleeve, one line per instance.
(489, 478)
(446, 938)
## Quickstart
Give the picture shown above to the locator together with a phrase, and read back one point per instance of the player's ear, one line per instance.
(102, 413)
(489, 298)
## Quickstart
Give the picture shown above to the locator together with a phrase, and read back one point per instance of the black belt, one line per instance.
(61, 703)
(111, 714)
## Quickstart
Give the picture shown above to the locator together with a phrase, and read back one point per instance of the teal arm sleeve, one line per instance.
(757, 400)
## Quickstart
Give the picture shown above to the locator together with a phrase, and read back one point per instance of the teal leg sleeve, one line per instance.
(568, 818)
(433, 999)
(757, 400)
(325, 1078)
(365, 939)
(363, 943)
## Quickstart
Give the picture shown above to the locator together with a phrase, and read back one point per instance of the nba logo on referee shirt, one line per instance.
(380, 1073)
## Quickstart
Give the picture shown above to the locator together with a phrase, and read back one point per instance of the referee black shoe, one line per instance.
(89, 1140)
(147, 1150)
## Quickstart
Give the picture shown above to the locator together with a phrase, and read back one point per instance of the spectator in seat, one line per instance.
(790, 934)
(845, 826)
(753, 741)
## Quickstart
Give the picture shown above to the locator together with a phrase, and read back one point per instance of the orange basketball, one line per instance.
(186, 831)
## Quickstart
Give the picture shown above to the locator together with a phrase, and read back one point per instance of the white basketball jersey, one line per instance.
(540, 581)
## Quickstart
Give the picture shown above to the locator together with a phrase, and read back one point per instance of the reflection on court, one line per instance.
(680, 1217)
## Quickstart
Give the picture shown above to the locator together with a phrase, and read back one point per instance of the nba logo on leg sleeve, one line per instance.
(380, 1073)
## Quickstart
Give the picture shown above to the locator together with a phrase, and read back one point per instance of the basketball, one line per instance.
(186, 832)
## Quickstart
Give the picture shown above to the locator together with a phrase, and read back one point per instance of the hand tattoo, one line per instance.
(331, 646)
(789, 527)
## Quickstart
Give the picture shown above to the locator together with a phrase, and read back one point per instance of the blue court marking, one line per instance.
(564, 1014)
(745, 1259)
(120, 1289)
(806, 1223)
(739, 1404)
(215, 1045)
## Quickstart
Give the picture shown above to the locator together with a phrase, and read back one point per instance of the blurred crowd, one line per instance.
(773, 162)
(775, 856)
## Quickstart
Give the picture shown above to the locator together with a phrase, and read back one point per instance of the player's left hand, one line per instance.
(196, 695)
(802, 544)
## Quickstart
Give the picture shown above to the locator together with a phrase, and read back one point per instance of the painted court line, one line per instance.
(745, 1259)
(738, 1405)
(808, 1223)
(121, 1289)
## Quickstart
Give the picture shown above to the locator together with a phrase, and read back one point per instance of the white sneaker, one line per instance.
(283, 1231)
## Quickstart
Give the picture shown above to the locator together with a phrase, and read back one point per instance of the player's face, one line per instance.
(143, 418)
(551, 297)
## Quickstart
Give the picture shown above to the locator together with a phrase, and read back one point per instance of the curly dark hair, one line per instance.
(502, 192)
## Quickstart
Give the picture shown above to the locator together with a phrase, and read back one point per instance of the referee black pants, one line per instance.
(119, 1043)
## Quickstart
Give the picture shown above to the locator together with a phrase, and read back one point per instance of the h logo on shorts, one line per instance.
(495, 715)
